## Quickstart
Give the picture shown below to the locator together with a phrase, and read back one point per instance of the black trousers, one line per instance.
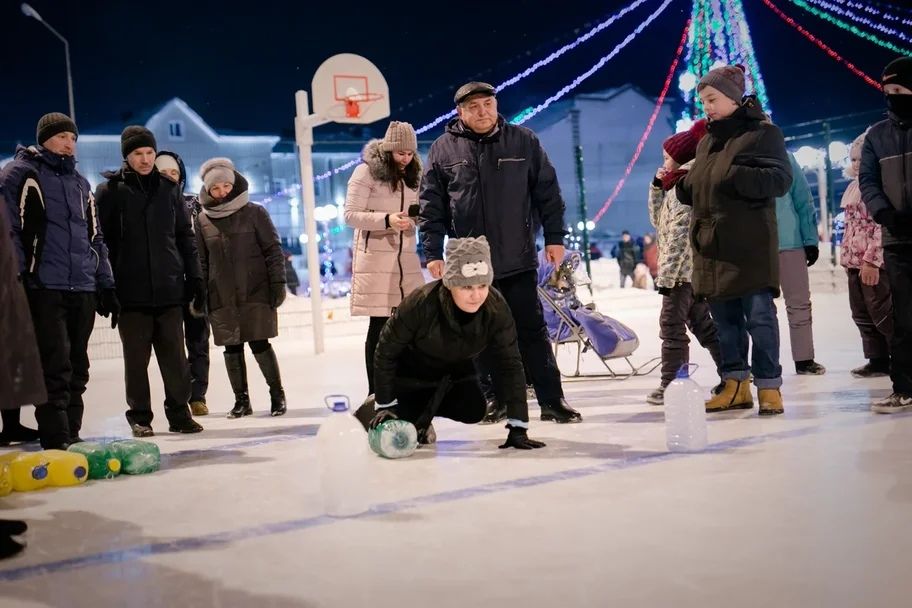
(370, 348)
(872, 311)
(520, 292)
(463, 400)
(256, 347)
(898, 261)
(680, 312)
(161, 329)
(196, 336)
(64, 321)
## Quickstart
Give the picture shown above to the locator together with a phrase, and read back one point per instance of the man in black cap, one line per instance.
(153, 252)
(486, 177)
(885, 179)
(64, 267)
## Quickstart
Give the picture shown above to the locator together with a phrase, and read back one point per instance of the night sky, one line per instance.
(239, 64)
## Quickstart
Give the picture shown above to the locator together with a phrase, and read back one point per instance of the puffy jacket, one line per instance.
(491, 185)
(54, 222)
(862, 240)
(385, 265)
(148, 230)
(885, 176)
(740, 168)
(796, 215)
(423, 340)
(671, 220)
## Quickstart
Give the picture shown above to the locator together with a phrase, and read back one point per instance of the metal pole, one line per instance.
(581, 187)
(304, 138)
(830, 202)
(28, 11)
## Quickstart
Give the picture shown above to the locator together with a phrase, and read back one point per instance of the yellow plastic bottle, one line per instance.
(6, 479)
(29, 471)
(66, 468)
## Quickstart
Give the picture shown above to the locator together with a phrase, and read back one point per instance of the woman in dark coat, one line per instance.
(244, 270)
(424, 362)
(21, 375)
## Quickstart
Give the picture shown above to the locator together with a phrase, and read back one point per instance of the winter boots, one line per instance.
(875, 368)
(770, 401)
(809, 368)
(735, 395)
(269, 365)
(237, 376)
(560, 412)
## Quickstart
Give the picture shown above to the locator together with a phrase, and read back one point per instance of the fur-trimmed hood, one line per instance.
(375, 160)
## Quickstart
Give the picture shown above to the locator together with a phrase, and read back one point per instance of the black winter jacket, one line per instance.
(423, 340)
(150, 238)
(885, 176)
(741, 167)
(491, 185)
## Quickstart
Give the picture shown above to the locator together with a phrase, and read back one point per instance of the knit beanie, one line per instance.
(400, 137)
(51, 124)
(727, 79)
(135, 137)
(682, 147)
(217, 170)
(468, 262)
(898, 71)
(164, 162)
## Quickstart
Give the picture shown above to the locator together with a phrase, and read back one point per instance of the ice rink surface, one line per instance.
(807, 509)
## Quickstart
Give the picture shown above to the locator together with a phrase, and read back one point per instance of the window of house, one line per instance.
(176, 130)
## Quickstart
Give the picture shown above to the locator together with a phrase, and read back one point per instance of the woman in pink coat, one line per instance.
(869, 289)
(385, 266)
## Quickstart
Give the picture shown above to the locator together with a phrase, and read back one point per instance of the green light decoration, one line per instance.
(522, 114)
(850, 28)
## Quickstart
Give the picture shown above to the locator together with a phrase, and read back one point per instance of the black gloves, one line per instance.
(517, 438)
(108, 304)
(811, 252)
(383, 414)
(277, 294)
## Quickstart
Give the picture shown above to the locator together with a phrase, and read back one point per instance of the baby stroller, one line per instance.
(569, 321)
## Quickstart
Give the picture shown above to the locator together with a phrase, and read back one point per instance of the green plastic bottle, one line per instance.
(394, 439)
(136, 457)
(102, 463)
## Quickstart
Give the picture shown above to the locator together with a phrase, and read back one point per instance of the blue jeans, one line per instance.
(752, 316)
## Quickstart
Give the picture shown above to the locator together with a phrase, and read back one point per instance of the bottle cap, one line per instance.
(338, 403)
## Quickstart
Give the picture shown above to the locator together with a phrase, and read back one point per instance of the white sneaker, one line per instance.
(893, 404)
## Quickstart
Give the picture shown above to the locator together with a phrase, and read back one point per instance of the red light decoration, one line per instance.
(649, 126)
(823, 46)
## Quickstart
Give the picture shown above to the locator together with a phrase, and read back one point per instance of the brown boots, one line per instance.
(736, 395)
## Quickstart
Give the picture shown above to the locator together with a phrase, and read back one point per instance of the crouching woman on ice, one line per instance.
(424, 362)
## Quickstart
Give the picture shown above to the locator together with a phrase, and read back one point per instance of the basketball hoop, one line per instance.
(353, 103)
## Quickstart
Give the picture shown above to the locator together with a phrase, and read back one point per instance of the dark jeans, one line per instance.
(370, 348)
(64, 321)
(680, 312)
(196, 336)
(749, 317)
(624, 275)
(161, 329)
(898, 262)
(520, 292)
(872, 311)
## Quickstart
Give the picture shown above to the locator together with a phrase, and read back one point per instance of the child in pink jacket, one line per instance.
(869, 288)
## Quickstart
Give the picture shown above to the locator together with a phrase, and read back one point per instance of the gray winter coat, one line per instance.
(241, 257)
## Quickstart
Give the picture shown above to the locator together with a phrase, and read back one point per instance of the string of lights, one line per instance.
(507, 83)
(599, 65)
(652, 120)
(872, 8)
(542, 62)
(850, 28)
(822, 45)
(861, 19)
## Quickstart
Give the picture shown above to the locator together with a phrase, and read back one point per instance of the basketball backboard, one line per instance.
(350, 89)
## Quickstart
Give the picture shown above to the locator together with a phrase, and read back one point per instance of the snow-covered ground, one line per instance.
(807, 509)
